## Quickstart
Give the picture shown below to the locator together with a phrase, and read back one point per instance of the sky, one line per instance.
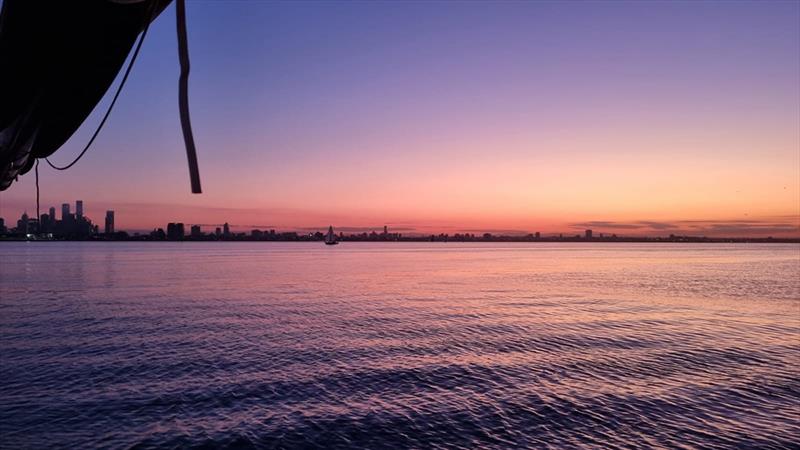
(634, 118)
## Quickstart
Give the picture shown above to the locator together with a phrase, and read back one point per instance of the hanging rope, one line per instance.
(38, 214)
(183, 97)
(113, 101)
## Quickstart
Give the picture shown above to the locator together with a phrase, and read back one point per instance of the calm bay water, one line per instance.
(280, 345)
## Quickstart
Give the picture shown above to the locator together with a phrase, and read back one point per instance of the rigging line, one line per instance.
(116, 95)
(183, 97)
(38, 215)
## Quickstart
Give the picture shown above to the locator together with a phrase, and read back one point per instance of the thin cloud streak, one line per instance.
(727, 228)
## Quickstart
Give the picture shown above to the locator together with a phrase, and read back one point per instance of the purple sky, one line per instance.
(449, 115)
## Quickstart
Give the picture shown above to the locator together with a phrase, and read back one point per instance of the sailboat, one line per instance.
(330, 238)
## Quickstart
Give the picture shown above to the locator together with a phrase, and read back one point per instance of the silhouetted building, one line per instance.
(2, 226)
(70, 226)
(218, 232)
(44, 223)
(22, 224)
(226, 230)
(588, 234)
(385, 230)
(537, 235)
(33, 226)
(109, 222)
(175, 231)
(196, 232)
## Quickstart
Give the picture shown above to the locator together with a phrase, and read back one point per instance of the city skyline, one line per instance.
(79, 224)
(487, 119)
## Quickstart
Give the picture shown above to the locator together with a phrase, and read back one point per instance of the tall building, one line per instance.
(588, 234)
(65, 212)
(44, 223)
(175, 231)
(78, 208)
(109, 222)
(22, 224)
(53, 213)
(196, 231)
(537, 235)
(2, 226)
(226, 230)
(385, 230)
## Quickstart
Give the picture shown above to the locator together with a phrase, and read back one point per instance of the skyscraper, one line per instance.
(171, 233)
(226, 230)
(588, 234)
(53, 213)
(109, 222)
(175, 231)
(22, 224)
(79, 208)
(44, 223)
(65, 212)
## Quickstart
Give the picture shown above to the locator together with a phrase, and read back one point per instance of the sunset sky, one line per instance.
(635, 118)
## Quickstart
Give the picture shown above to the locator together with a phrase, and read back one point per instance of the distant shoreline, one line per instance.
(438, 240)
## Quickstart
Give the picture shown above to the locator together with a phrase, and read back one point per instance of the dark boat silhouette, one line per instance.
(330, 238)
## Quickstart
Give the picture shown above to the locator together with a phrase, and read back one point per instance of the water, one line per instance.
(280, 345)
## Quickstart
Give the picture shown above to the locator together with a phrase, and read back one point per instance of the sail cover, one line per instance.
(57, 60)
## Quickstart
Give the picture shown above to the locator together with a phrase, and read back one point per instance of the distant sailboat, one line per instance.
(330, 238)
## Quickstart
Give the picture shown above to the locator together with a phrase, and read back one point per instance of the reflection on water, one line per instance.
(399, 345)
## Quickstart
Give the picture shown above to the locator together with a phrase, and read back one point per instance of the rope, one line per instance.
(113, 101)
(38, 215)
(183, 97)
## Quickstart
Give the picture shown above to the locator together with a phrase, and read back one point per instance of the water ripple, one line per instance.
(393, 346)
